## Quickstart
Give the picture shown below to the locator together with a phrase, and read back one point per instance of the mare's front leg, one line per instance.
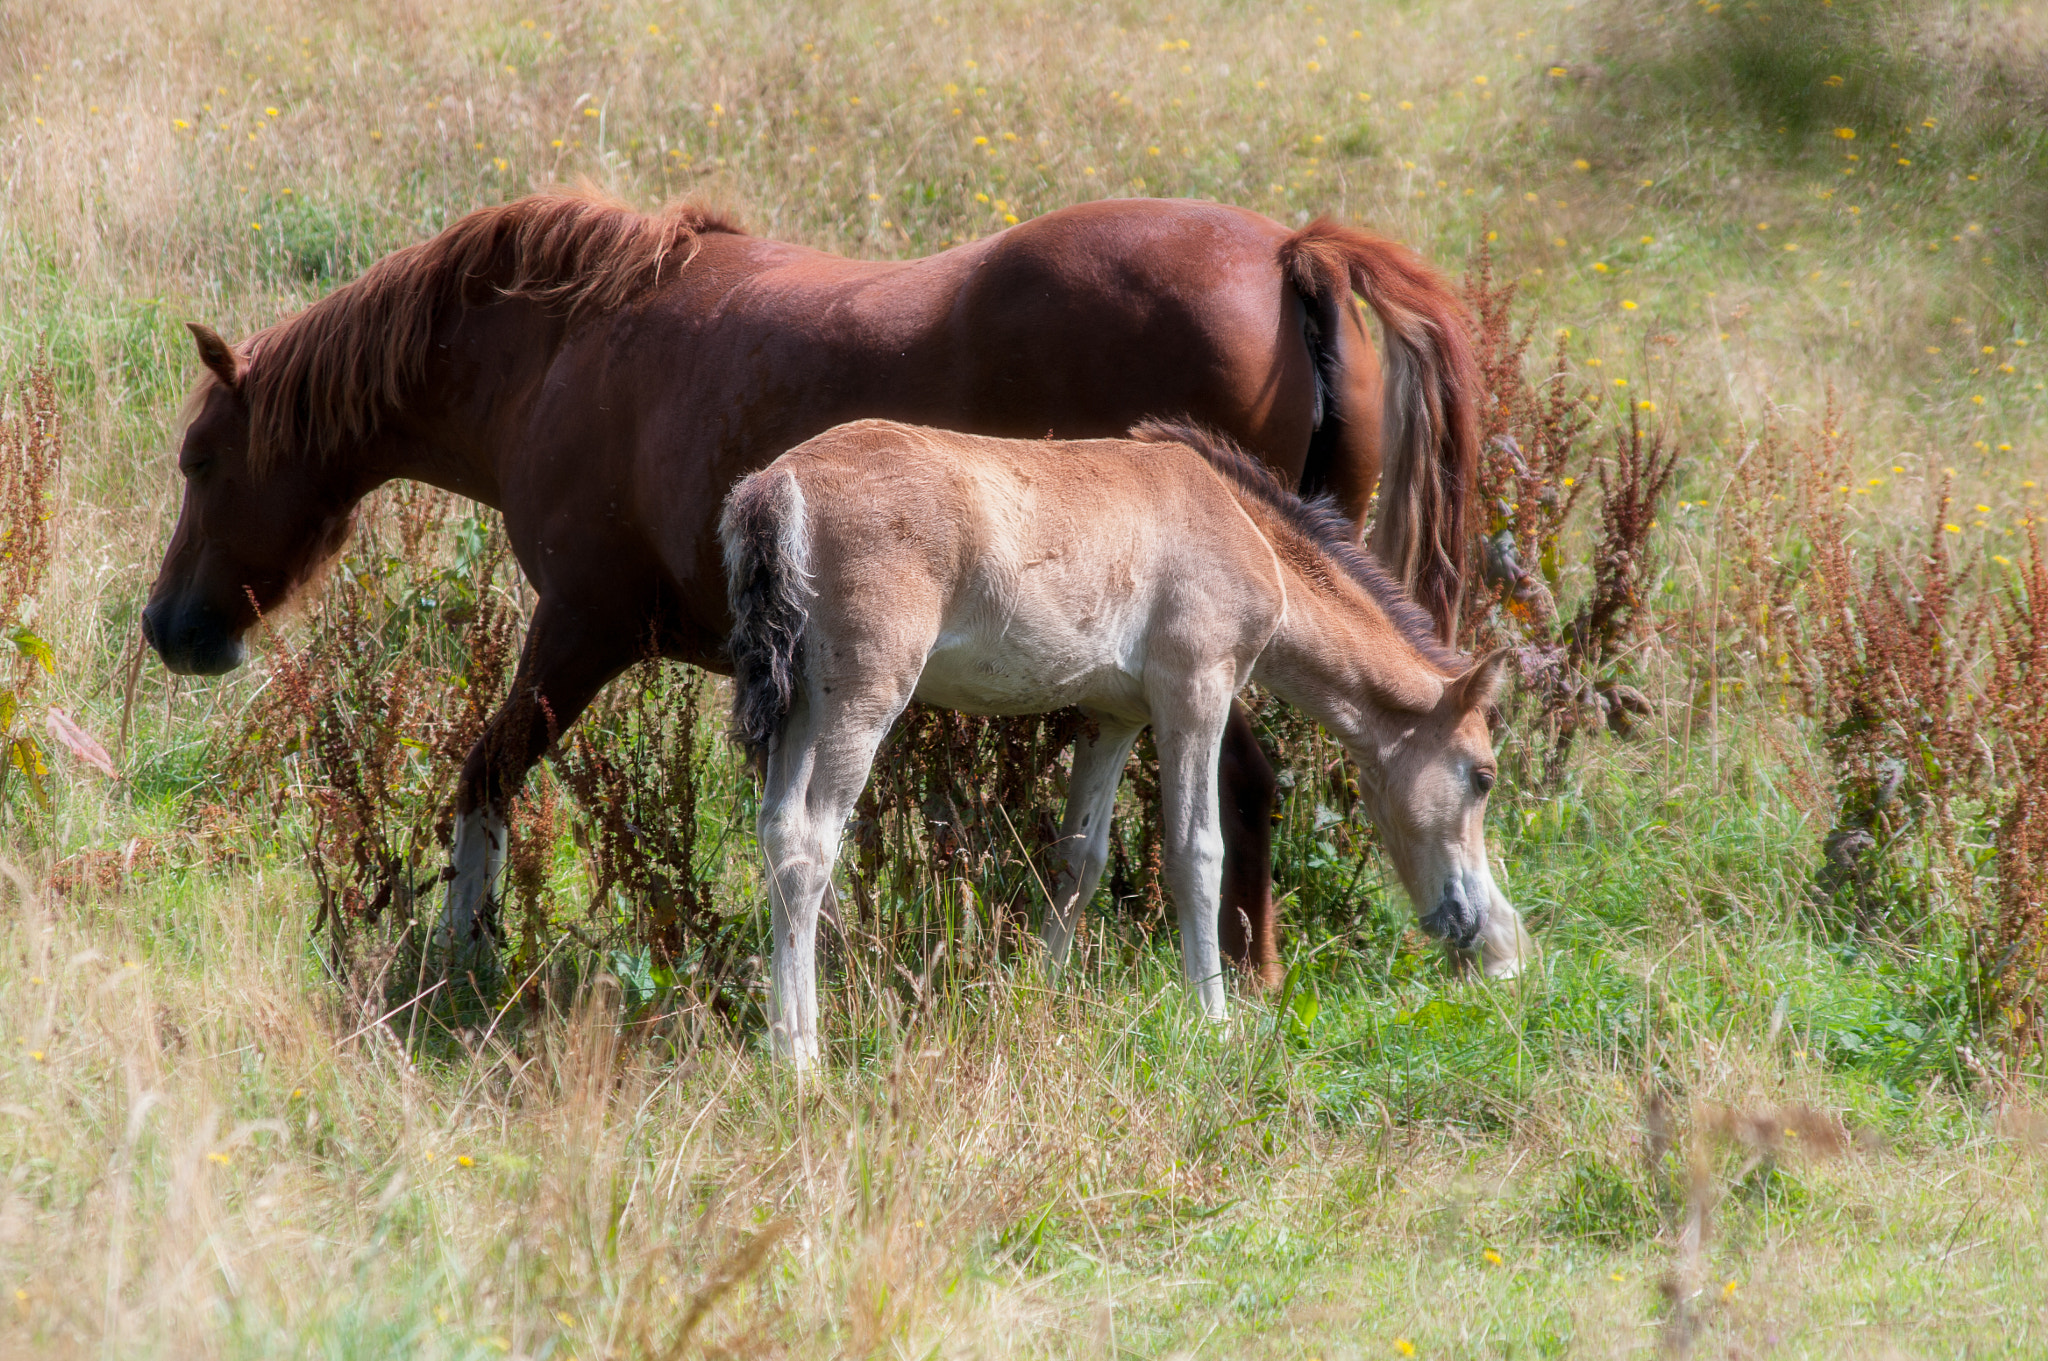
(1084, 832)
(1190, 739)
(564, 663)
(815, 774)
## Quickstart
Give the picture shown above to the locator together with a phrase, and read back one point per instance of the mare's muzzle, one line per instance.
(192, 640)
(1458, 916)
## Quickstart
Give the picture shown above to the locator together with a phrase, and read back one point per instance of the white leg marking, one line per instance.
(477, 857)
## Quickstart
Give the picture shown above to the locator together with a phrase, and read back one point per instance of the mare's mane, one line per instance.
(324, 378)
(1318, 530)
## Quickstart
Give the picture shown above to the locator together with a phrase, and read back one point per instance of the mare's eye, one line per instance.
(1482, 780)
(196, 468)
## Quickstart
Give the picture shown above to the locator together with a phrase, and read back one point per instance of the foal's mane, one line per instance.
(325, 377)
(1311, 529)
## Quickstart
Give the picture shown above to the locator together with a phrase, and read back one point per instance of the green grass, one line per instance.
(221, 1152)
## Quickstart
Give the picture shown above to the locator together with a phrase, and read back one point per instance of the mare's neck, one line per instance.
(1339, 659)
(462, 417)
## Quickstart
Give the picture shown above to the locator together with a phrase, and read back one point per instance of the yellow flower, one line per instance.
(1647, 406)
(1407, 104)
(255, 226)
(1404, 1346)
(1582, 164)
(1791, 245)
(1569, 481)
(983, 198)
(465, 1161)
(270, 113)
(1846, 134)
(1492, 1256)
(1628, 305)
(1952, 529)
(1978, 399)
(1556, 72)
(220, 1158)
(1728, 1291)
(1599, 267)
(1558, 241)
(1983, 510)
(37, 1055)
(1479, 80)
(1010, 218)
(981, 141)
(1833, 82)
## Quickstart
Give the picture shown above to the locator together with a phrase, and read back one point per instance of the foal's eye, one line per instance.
(1482, 780)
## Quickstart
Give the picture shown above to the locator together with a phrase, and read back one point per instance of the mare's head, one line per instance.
(250, 529)
(1425, 788)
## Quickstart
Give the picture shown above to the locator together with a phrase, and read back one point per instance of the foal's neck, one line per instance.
(1338, 657)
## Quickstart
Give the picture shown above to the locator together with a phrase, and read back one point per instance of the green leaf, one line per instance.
(33, 648)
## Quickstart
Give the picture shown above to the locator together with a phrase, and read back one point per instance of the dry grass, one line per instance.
(208, 1160)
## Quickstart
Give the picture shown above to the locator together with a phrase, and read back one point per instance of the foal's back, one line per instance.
(1020, 576)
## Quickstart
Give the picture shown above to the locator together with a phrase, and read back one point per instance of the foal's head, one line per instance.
(247, 533)
(1426, 789)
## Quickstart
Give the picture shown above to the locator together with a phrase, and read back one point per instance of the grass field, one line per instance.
(1720, 1119)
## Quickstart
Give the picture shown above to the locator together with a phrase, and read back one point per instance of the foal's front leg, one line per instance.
(1084, 832)
(1189, 745)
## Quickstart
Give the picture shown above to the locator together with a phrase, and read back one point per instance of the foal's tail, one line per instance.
(767, 540)
(1429, 421)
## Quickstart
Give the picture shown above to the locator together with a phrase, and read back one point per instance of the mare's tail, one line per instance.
(767, 538)
(1430, 421)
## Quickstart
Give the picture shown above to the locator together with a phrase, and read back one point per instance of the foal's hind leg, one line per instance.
(814, 776)
(1084, 832)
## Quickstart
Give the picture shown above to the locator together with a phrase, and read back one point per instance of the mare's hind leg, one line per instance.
(1250, 927)
(569, 656)
(814, 776)
(1084, 832)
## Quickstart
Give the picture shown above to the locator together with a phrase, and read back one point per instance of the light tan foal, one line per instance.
(1145, 581)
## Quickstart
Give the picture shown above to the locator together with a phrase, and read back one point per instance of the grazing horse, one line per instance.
(603, 376)
(1146, 581)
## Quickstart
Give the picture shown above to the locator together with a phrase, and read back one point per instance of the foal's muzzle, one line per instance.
(1458, 916)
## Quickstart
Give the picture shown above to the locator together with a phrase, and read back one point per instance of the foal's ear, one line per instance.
(1479, 686)
(217, 354)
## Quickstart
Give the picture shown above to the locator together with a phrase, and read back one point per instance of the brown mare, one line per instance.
(1144, 581)
(603, 377)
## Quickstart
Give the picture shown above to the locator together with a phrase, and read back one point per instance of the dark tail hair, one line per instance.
(767, 541)
(1430, 421)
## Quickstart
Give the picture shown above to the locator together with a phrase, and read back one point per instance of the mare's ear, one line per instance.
(1479, 686)
(217, 354)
